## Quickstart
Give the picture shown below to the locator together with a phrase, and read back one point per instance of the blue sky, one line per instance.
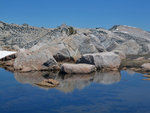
(78, 13)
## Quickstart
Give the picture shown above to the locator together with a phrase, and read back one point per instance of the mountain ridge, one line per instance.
(16, 37)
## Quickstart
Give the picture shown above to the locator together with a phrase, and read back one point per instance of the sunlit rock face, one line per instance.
(77, 68)
(68, 44)
(101, 60)
(129, 48)
(73, 42)
(34, 60)
(141, 37)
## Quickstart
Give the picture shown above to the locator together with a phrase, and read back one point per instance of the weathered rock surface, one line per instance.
(35, 60)
(101, 60)
(129, 48)
(146, 66)
(94, 40)
(141, 37)
(140, 58)
(77, 68)
(120, 53)
(66, 43)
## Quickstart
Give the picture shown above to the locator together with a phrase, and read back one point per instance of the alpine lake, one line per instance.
(99, 92)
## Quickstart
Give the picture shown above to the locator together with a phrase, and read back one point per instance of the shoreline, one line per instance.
(130, 63)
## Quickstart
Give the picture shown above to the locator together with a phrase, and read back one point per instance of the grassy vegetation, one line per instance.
(131, 61)
(72, 31)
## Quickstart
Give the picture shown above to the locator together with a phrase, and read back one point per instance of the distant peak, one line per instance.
(63, 26)
(1, 22)
(124, 28)
(114, 27)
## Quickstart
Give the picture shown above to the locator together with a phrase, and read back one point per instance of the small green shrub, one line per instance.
(72, 31)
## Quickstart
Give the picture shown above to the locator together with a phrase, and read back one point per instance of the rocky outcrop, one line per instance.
(146, 66)
(94, 40)
(70, 48)
(35, 60)
(141, 37)
(77, 68)
(129, 48)
(121, 54)
(68, 44)
(107, 60)
(137, 63)
(25, 36)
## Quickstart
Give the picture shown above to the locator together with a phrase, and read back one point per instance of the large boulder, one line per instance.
(128, 32)
(120, 53)
(101, 60)
(129, 48)
(77, 68)
(145, 49)
(61, 50)
(146, 66)
(35, 60)
(141, 37)
(70, 48)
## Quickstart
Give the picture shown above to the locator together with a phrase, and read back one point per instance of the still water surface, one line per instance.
(112, 92)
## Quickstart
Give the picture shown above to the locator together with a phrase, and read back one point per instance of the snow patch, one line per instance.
(4, 54)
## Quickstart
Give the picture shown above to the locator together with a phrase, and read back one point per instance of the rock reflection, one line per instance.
(107, 77)
(68, 83)
(130, 72)
(32, 77)
(77, 81)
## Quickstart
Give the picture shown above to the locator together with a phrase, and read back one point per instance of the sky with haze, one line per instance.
(77, 13)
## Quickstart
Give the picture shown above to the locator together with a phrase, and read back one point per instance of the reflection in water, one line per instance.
(32, 77)
(69, 82)
(117, 96)
(130, 72)
(107, 77)
(77, 81)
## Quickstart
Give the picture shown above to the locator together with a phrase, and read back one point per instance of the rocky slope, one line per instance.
(70, 39)
(66, 43)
